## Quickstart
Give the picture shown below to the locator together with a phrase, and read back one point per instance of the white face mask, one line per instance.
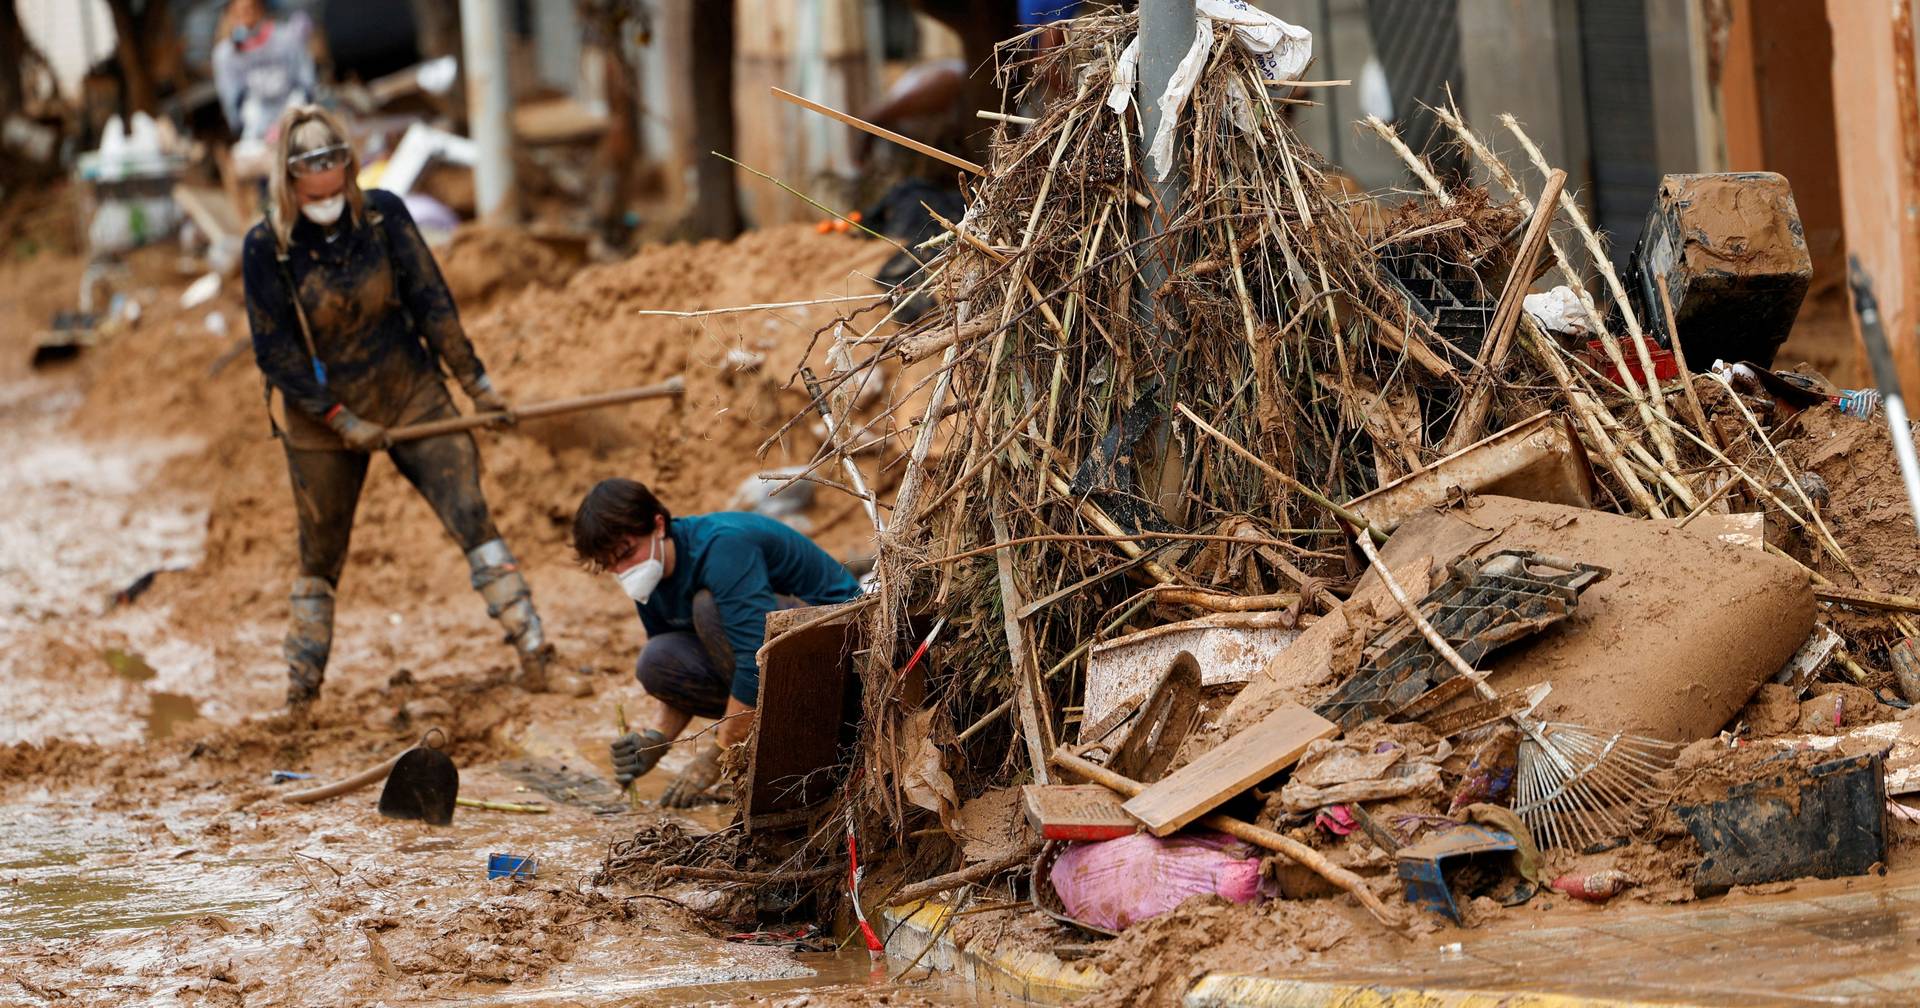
(639, 580)
(326, 211)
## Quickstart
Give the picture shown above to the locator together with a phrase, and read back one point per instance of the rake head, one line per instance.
(1578, 786)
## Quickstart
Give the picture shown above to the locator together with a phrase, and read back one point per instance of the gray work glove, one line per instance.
(636, 753)
(360, 435)
(701, 774)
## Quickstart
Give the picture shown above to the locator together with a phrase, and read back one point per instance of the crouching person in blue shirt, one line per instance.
(703, 585)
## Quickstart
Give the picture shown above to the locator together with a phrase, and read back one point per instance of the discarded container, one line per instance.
(1734, 257)
(1825, 822)
(514, 866)
(1594, 887)
(1665, 367)
(1860, 404)
(1473, 860)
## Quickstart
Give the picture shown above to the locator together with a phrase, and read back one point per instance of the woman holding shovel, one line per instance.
(352, 325)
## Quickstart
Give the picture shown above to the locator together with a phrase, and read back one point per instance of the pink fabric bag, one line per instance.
(1115, 883)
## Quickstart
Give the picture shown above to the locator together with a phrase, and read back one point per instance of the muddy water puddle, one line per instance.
(65, 872)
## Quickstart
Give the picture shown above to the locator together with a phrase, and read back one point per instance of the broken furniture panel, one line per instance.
(804, 692)
(1227, 650)
(1539, 458)
(1735, 260)
(1826, 821)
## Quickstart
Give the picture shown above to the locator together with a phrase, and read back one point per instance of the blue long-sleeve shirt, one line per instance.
(379, 309)
(745, 560)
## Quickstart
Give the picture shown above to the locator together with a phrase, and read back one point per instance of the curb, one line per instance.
(1041, 979)
(1229, 990)
(1034, 977)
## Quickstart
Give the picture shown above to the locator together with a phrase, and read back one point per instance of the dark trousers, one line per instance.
(692, 670)
(326, 491)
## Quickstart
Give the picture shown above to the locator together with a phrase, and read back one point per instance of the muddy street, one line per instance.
(146, 856)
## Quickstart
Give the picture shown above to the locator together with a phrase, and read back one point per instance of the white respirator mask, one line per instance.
(325, 212)
(639, 580)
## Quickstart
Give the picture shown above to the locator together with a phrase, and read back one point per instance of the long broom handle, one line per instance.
(1887, 377)
(671, 387)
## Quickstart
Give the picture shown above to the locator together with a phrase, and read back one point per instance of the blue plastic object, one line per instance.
(515, 866)
(1423, 866)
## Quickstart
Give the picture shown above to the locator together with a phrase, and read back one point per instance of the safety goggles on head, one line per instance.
(318, 160)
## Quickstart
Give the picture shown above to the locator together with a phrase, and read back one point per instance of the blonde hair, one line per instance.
(304, 128)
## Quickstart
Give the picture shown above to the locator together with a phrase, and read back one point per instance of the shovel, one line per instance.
(423, 784)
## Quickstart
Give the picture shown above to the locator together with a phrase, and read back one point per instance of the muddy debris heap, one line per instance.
(1265, 543)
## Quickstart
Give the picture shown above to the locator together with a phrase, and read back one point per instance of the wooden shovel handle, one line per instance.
(671, 387)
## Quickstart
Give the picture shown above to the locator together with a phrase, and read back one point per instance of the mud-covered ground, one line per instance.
(146, 856)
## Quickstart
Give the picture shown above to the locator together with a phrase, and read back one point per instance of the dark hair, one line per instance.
(613, 512)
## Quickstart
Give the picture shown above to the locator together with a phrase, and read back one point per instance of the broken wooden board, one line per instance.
(1076, 812)
(1262, 750)
(805, 690)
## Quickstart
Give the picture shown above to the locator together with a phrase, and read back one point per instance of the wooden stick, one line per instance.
(1506, 318)
(1140, 537)
(1223, 602)
(885, 134)
(1867, 599)
(1293, 849)
(731, 875)
(1035, 724)
(501, 806)
(1306, 83)
(620, 722)
(736, 309)
(1662, 440)
(1017, 120)
(1680, 358)
(1340, 511)
(954, 879)
(1413, 162)
(674, 386)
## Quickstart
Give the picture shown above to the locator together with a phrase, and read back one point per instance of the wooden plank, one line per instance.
(1076, 812)
(1269, 746)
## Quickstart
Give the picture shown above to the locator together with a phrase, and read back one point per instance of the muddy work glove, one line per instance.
(487, 400)
(360, 435)
(634, 754)
(701, 774)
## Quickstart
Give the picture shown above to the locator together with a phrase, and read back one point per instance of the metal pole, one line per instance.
(1166, 33)
(489, 102)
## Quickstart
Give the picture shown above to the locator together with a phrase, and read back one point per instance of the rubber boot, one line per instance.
(497, 578)
(309, 640)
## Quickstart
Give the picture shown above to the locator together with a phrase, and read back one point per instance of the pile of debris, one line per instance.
(1297, 528)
